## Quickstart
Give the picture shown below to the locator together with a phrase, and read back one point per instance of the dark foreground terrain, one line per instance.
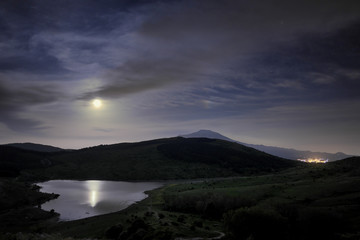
(305, 202)
(19, 206)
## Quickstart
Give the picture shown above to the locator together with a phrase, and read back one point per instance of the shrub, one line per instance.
(181, 219)
(198, 224)
(256, 223)
(320, 224)
(114, 231)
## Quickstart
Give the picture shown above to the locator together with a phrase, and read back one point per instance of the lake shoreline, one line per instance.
(22, 212)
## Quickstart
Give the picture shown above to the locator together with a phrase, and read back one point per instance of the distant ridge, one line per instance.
(35, 147)
(287, 153)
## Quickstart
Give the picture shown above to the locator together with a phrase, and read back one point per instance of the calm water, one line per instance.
(81, 199)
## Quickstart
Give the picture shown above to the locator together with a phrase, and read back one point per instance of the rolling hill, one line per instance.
(287, 153)
(13, 160)
(35, 147)
(161, 159)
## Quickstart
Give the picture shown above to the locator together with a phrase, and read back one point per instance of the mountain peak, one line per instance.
(203, 133)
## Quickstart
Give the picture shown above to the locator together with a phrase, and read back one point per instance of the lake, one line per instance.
(81, 199)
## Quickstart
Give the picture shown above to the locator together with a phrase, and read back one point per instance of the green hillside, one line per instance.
(172, 158)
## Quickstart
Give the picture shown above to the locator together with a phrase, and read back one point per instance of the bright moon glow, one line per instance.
(97, 103)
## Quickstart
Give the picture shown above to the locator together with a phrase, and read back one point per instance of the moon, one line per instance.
(97, 103)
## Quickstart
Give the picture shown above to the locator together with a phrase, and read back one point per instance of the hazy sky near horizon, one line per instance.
(280, 73)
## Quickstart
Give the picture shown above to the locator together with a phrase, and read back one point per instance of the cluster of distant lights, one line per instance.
(314, 160)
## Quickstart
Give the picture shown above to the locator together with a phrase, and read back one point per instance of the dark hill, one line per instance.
(221, 153)
(172, 158)
(349, 165)
(36, 147)
(13, 160)
(351, 161)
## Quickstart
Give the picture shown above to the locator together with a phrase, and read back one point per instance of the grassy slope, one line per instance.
(319, 198)
(173, 158)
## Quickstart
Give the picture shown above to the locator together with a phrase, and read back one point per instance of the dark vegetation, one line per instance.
(315, 202)
(13, 160)
(224, 154)
(19, 206)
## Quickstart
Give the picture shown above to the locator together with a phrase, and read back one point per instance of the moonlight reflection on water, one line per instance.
(93, 199)
(93, 187)
(81, 199)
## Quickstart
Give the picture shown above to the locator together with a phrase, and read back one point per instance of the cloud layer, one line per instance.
(173, 62)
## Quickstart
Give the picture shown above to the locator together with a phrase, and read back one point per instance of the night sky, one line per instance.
(280, 73)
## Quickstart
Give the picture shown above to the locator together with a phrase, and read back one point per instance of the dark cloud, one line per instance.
(66, 15)
(22, 24)
(22, 125)
(190, 41)
(31, 62)
(16, 101)
(141, 75)
(315, 67)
